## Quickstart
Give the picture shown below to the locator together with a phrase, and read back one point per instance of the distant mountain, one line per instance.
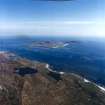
(23, 82)
(22, 37)
(16, 37)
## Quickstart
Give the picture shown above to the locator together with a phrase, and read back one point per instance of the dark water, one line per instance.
(24, 71)
(86, 58)
(55, 75)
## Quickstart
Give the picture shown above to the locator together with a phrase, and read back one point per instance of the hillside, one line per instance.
(25, 82)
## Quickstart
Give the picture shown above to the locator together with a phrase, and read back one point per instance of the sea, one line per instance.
(86, 57)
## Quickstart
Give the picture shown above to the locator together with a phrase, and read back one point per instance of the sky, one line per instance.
(56, 18)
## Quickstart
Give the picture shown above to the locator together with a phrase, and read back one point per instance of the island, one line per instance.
(25, 82)
(51, 44)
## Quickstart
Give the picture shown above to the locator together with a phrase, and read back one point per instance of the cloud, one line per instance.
(76, 28)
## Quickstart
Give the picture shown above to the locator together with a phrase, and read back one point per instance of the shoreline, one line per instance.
(102, 88)
(1, 52)
(47, 66)
(64, 45)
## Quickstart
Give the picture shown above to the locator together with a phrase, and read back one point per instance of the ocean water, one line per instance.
(86, 58)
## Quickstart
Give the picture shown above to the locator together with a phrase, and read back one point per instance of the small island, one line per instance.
(51, 44)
